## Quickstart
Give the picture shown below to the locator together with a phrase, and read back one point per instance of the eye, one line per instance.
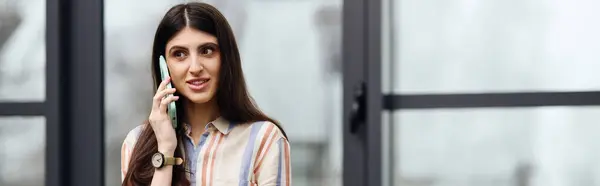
(207, 51)
(179, 54)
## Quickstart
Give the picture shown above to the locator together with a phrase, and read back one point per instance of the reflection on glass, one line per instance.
(22, 50)
(499, 45)
(509, 147)
(22, 140)
(291, 59)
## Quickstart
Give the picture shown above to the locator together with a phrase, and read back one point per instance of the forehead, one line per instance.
(190, 37)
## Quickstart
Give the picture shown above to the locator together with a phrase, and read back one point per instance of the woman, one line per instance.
(222, 138)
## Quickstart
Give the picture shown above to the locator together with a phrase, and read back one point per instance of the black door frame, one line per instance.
(362, 106)
(74, 106)
(74, 92)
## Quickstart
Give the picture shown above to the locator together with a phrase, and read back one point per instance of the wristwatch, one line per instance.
(159, 160)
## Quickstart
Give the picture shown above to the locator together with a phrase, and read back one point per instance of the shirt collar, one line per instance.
(220, 124)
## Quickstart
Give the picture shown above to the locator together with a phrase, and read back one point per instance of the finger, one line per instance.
(165, 102)
(163, 84)
(160, 95)
(166, 92)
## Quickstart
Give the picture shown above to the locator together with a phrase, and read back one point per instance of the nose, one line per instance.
(196, 65)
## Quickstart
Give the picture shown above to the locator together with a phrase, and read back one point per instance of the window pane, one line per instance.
(22, 140)
(499, 45)
(294, 75)
(128, 82)
(22, 50)
(290, 55)
(504, 147)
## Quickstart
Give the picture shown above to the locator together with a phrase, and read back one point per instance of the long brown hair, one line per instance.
(233, 99)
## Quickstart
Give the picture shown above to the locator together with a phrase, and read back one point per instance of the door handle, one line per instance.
(358, 109)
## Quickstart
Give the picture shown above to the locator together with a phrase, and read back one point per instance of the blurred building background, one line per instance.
(291, 51)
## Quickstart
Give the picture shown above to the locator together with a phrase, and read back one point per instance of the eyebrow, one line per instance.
(202, 45)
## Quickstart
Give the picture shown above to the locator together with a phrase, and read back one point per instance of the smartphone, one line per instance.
(164, 74)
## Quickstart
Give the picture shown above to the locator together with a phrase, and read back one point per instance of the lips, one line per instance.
(197, 84)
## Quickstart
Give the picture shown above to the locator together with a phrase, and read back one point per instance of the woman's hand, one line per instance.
(160, 121)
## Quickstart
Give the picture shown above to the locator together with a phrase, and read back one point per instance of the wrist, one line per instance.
(160, 160)
(167, 150)
(167, 153)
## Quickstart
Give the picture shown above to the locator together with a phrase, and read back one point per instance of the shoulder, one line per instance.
(265, 136)
(263, 130)
(271, 147)
(127, 148)
(132, 136)
(258, 132)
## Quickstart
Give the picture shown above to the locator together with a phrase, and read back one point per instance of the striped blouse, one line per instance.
(230, 154)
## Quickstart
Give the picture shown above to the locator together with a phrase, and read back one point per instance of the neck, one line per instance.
(198, 115)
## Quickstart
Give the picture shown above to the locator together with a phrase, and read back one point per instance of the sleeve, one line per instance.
(127, 149)
(125, 155)
(275, 168)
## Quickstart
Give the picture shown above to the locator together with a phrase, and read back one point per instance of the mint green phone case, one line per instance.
(164, 73)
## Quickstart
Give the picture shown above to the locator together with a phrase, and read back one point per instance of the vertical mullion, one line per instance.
(374, 94)
(86, 108)
(55, 169)
(75, 93)
(353, 42)
(392, 135)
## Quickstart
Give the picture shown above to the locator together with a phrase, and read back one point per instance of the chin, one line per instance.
(199, 98)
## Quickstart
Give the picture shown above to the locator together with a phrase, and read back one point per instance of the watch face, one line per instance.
(157, 160)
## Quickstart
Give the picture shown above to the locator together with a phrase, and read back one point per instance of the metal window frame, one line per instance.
(353, 42)
(361, 53)
(74, 93)
(21, 108)
(487, 100)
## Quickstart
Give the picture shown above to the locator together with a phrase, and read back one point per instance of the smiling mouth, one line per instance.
(197, 85)
(197, 82)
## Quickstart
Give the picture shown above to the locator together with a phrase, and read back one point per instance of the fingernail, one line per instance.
(176, 97)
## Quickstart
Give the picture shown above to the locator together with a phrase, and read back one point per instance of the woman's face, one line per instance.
(194, 61)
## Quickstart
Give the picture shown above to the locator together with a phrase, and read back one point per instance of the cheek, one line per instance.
(178, 72)
(214, 67)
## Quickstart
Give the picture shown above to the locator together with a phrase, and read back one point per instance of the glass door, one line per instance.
(492, 92)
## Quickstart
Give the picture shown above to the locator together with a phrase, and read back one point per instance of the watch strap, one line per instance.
(173, 161)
